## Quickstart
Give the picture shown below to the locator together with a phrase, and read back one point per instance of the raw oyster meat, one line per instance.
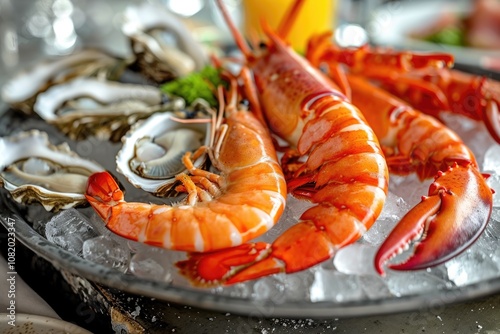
(34, 170)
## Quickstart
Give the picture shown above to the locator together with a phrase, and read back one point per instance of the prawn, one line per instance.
(240, 202)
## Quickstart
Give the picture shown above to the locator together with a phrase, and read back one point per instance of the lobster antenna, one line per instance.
(288, 20)
(238, 38)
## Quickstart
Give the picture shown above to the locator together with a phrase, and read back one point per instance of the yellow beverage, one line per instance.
(315, 16)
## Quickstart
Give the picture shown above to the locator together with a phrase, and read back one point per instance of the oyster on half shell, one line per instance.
(21, 90)
(162, 44)
(34, 170)
(105, 109)
(152, 151)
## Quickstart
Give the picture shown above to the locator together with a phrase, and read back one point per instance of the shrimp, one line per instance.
(334, 160)
(225, 209)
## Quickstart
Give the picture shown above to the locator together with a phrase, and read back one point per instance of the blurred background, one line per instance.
(32, 28)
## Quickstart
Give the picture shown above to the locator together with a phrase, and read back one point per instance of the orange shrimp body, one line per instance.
(221, 210)
(335, 161)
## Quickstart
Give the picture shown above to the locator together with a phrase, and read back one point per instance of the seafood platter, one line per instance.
(340, 182)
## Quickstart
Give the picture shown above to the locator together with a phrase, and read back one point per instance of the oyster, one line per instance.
(152, 151)
(105, 109)
(32, 169)
(164, 47)
(21, 91)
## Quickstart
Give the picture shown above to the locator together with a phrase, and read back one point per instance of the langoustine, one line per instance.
(242, 201)
(335, 161)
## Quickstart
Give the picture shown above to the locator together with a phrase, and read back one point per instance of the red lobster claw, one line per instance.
(448, 221)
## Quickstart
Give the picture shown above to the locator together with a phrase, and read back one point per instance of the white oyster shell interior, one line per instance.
(32, 169)
(91, 95)
(151, 154)
(28, 83)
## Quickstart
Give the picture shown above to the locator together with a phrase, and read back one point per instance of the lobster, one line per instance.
(459, 202)
(244, 200)
(334, 159)
(425, 80)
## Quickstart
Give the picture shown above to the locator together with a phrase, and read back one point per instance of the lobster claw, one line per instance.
(446, 222)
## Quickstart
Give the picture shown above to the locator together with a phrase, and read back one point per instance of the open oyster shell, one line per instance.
(152, 151)
(21, 90)
(91, 107)
(164, 47)
(32, 169)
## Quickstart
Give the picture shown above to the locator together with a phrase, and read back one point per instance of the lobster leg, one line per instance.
(425, 80)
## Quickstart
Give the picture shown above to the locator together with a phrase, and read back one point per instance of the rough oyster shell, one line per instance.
(105, 109)
(21, 91)
(152, 151)
(32, 169)
(164, 47)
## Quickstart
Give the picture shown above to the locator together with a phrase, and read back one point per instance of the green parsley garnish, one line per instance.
(202, 84)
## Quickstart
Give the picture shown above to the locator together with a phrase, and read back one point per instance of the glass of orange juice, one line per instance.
(315, 16)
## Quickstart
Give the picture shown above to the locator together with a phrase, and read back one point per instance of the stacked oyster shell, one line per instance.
(90, 94)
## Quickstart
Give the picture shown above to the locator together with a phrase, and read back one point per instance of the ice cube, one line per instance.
(471, 267)
(330, 285)
(379, 231)
(489, 240)
(356, 259)
(495, 216)
(296, 285)
(374, 286)
(69, 229)
(492, 159)
(395, 207)
(107, 252)
(411, 283)
(494, 183)
(495, 256)
(269, 288)
(409, 187)
(152, 263)
(97, 223)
